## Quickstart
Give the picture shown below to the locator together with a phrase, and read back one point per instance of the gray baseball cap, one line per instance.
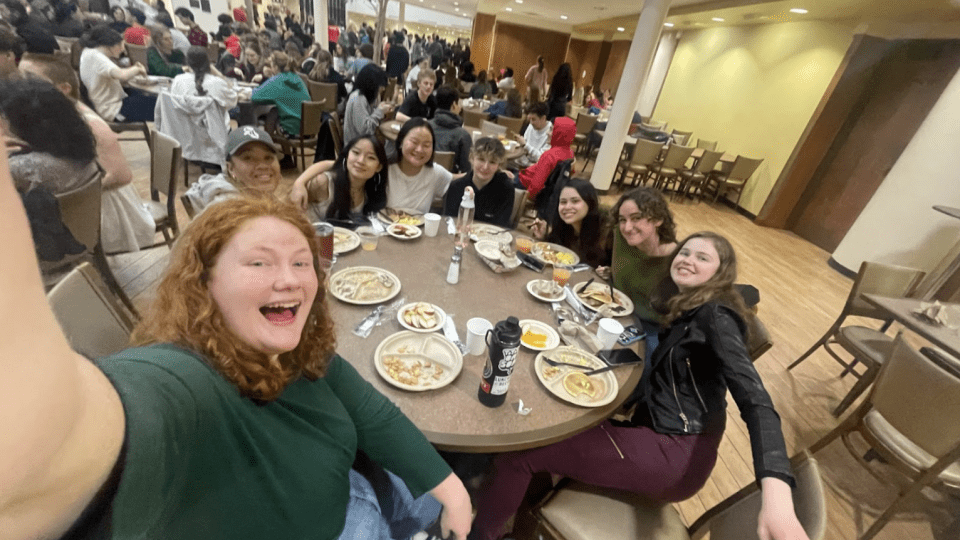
(247, 134)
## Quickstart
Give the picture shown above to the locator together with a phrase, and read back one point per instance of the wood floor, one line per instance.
(800, 298)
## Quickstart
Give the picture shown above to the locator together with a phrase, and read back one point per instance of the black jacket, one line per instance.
(700, 356)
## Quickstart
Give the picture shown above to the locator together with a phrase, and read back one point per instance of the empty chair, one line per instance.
(868, 346)
(645, 154)
(512, 124)
(92, 319)
(474, 118)
(325, 93)
(692, 179)
(165, 157)
(490, 129)
(736, 179)
(672, 164)
(444, 158)
(585, 124)
(304, 141)
(583, 512)
(681, 137)
(758, 338)
(910, 421)
(706, 145)
(136, 53)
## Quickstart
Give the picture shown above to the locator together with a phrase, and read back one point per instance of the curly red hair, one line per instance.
(185, 313)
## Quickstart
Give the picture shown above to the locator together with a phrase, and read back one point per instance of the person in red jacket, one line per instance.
(535, 176)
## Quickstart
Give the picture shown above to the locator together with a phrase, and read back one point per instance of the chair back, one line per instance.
(490, 129)
(546, 201)
(305, 79)
(137, 53)
(918, 398)
(758, 338)
(445, 159)
(585, 123)
(676, 156)
(467, 86)
(325, 93)
(735, 518)
(311, 113)
(645, 152)
(389, 90)
(519, 198)
(165, 157)
(883, 280)
(743, 169)
(511, 123)
(474, 118)
(80, 212)
(655, 125)
(576, 111)
(681, 137)
(188, 206)
(213, 52)
(336, 130)
(706, 145)
(708, 161)
(93, 321)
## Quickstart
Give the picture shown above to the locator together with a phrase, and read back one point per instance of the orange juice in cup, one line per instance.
(561, 275)
(524, 244)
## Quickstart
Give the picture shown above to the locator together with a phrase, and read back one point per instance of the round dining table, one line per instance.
(391, 128)
(452, 417)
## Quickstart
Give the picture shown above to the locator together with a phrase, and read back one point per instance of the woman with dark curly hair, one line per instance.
(232, 416)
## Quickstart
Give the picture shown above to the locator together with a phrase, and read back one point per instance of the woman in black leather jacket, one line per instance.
(668, 448)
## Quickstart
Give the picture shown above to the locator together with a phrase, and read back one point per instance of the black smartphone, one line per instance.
(620, 356)
(530, 262)
(631, 334)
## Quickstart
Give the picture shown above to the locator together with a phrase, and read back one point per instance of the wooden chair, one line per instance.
(681, 137)
(706, 145)
(136, 53)
(165, 156)
(669, 169)
(645, 154)
(489, 129)
(188, 206)
(93, 320)
(909, 420)
(519, 202)
(735, 179)
(213, 52)
(306, 140)
(126, 127)
(474, 118)
(585, 124)
(868, 346)
(692, 179)
(758, 338)
(512, 124)
(325, 93)
(336, 131)
(583, 512)
(444, 158)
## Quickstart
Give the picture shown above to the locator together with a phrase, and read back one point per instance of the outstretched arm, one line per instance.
(62, 421)
(778, 520)
(457, 514)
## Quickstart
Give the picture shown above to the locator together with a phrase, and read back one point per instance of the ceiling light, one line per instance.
(717, 19)
(509, 9)
(456, 3)
(564, 17)
(620, 29)
(668, 24)
(519, 1)
(798, 10)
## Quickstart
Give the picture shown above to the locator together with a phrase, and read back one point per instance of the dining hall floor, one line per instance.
(800, 298)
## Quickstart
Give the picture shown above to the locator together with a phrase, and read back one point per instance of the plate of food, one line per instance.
(418, 362)
(570, 384)
(485, 231)
(545, 290)
(548, 253)
(364, 285)
(390, 215)
(488, 250)
(344, 240)
(402, 231)
(421, 317)
(596, 295)
(538, 336)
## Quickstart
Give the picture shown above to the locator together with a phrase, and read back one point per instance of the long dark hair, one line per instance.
(101, 36)
(199, 62)
(375, 187)
(46, 120)
(410, 125)
(562, 86)
(590, 244)
(369, 81)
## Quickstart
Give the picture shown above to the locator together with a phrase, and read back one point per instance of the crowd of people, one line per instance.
(234, 415)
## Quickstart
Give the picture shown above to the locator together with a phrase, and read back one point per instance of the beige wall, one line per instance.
(753, 89)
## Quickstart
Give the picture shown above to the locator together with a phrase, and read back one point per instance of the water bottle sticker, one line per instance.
(487, 369)
(508, 361)
(500, 385)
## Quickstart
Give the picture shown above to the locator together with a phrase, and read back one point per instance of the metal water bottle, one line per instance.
(503, 341)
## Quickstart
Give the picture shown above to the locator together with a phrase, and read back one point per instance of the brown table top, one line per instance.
(391, 128)
(901, 309)
(452, 417)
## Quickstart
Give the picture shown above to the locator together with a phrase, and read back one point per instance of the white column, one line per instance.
(320, 22)
(641, 53)
(402, 14)
(653, 83)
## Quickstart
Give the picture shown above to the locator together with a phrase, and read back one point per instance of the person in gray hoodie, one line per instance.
(448, 129)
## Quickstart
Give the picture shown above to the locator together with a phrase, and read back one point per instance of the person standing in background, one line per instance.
(398, 59)
(536, 78)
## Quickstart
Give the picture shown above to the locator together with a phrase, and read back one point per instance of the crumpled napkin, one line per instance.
(937, 314)
(577, 336)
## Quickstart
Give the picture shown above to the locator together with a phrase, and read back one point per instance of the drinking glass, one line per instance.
(524, 244)
(368, 238)
(561, 274)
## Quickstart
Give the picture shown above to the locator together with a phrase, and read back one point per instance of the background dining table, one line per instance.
(452, 417)
(902, 310)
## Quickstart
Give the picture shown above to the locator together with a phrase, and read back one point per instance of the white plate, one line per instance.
(395, 231)
(409, 348)
(488, 250)
(531, 288)
(543, 252)
(364, 285)
(621, 298)
(553, 339)
(390, 216)
(440, 317)
(344, 240)
(485, 231)
(552, 377)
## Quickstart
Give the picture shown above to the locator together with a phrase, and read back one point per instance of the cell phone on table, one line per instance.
(631, 334)
(616, 357)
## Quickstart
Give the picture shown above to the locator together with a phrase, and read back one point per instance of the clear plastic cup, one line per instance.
(368, 238)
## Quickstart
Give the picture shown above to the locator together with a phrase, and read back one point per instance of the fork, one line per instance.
(557, 363)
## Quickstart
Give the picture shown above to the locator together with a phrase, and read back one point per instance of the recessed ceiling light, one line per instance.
(456, 3)
(509, 9)
(798, 10)
(668, 24)
(717, 19)
(564, 17)
(456, 9)
(519, 1)
(620, 29)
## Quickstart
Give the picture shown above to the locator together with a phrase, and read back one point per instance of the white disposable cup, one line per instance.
(608, 331)
(477, 335)
(431, 224)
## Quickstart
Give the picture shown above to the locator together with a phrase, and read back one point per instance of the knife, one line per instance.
(607, 368)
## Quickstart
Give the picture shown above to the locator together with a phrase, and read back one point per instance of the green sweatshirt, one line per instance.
(202, 462)
(287, 92)
(638, 275)
(171, 67)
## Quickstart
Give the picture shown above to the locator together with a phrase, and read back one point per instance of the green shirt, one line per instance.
(203, 462)
(287, 92)
(638, 275)
(156, 65)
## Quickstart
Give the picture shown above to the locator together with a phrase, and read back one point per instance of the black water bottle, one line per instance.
(503, 341)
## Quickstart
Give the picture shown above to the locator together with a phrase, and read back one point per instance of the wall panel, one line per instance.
(481, 40)
(518, 46)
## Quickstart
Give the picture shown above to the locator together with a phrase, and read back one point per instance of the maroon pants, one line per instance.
(666, 468)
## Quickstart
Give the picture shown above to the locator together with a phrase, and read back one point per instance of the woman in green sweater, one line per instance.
(162, 58)
(232, 418)
(285, 89)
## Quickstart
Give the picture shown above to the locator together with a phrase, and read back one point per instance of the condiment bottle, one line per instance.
(453, 273)
(465, 218)
(503, 341)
